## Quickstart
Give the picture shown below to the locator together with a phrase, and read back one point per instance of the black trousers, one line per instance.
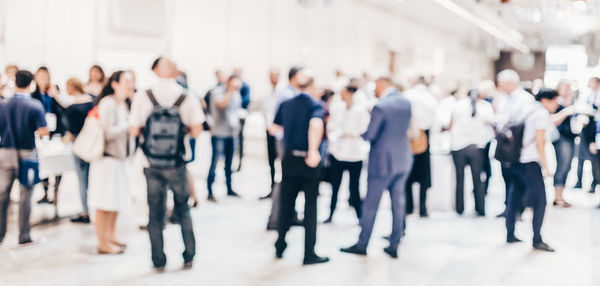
(473, 157)
(487, 166)
(297, 176)
(241, 142)
(337, 169)
(272, 155)
(528, 186)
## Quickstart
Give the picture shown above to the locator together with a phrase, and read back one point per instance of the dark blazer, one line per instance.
(388, 133)
(61, 121)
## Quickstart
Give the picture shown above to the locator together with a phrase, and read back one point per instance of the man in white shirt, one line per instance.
(510, 107)
(532, 168)
(166, 93)
(424, 105)
(269, 112)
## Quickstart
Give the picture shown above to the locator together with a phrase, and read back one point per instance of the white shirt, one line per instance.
(423, 104)
(344, 129)
(510, 107)
(270, 104)
(538, 118)
(166, 92)
(471, 130)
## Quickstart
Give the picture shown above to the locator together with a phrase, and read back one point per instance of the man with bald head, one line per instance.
(390, 161)
(301, 121)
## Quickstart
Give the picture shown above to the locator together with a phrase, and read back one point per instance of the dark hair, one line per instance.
(546, 93)
(596, 79)
(351, 88)
(99, 68)
(108, 90)
(327, 94)
(37, 86)
(473, 95)
(293, 71)
(23, 78)
(155, 63)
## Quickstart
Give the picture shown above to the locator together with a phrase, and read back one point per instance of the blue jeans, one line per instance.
(158, 181)
(83, 170)
(565, 151)
(220, 146)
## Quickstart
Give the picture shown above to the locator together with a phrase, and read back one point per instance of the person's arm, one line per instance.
(375, 125)
(559, 117)
(113, 129)
(315, 135)
(277, 126)
(540, 145)
(225, 99)
(43, 131)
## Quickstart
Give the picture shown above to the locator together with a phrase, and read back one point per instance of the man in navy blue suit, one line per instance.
(390, 161)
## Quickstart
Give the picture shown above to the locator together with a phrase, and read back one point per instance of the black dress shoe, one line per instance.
(159, 269)
(44, 200)
(424, 214)
(328, 220)
(232, 194)
(513, 239)
(211, 198)
(188, 265)
(543, 247)
(315, 260)
(81, 219)
(354, 250)
(280, 248)
(391, 252)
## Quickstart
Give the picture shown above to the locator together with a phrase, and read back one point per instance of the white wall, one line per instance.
(70, 35)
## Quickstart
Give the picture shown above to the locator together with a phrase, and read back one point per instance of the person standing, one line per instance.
(45, 92)
(348, 119)
(532, 168)
(224, 109)
(301, 121)
(509, 108)
(591, 99)
(163, 174)
(471, 121)
(424, 106)
(21, 117)
(76, 114)
(390, 160)
(269, 113)
(108, 183)
(243, 113)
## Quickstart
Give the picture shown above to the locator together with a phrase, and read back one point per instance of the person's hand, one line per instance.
(593, 149)
(313, 158)
(569, 110)
(546, 173)
(52, 91)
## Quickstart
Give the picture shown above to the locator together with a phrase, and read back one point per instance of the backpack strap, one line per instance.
(179, 100)
(152, 98)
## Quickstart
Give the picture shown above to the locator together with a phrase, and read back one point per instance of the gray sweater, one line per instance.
(113, 118)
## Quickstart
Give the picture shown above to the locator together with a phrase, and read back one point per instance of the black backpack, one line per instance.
(509, 141)
(163, 135)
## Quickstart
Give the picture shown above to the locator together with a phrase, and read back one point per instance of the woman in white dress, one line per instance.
(108, 184)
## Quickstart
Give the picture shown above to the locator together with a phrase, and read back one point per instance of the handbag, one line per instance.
(29, 172)
(419, 144)
(89, 144)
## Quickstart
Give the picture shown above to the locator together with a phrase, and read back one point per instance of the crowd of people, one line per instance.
(313, 135)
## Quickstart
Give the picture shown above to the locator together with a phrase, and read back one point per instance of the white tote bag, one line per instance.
(89, 144)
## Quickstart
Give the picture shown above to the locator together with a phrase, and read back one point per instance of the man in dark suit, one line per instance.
(390, 161)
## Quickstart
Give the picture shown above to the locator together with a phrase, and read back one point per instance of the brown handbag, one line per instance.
(419, 144)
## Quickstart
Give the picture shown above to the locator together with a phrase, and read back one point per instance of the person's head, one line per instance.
(347, 93)
(548, 98)
(382, 83)
(486, 89)
(564, 89)
(305, 80)
(274, 76)
(293, 74)
(339, 73)
(74, 87)
(220, 76)
(421, 80)
(42, 79)
(120, 85)
(327, 95)
(234, 82)
(508, 81)
(595, 83)
(238, 70)
(165, 68)
(96, 74)
(23, 79)
(11, 72)
(355, 82)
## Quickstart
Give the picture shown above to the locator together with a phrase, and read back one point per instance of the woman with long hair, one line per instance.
(96, 80)
(108, 176)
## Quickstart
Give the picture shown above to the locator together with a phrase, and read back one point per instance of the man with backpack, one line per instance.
(163, 115)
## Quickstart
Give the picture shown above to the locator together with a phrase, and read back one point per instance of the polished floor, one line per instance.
(233, 247)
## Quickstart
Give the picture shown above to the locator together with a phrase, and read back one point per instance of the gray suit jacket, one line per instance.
(388, 133)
